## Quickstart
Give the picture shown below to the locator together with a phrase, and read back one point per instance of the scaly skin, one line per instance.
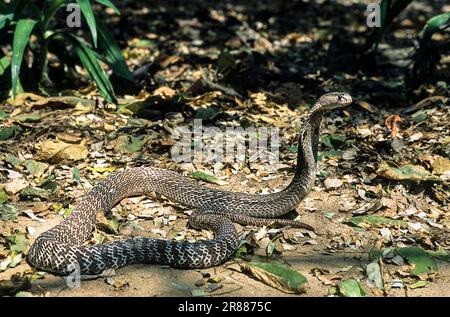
(60, 250)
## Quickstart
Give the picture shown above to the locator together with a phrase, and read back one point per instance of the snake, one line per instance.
(63, 249)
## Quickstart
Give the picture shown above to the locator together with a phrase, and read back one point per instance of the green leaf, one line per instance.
(3, 196)
(18, 242)
(419, 116)
(28, 118)
(208, 114)
(133, 145)
(422, 261)
(434, 25)
(21, 37)
(51, 10)
(86, 9)
(276, 275)
(2, 115)
(6, 133)
(31, 192)
(35, 168)
(418, 284)
(198, 292)
(4, 18)
(114, 56)
(405, 172)
(351, 288)
(208, 178)
(92, 66)
(333, 141)
(76, 174)
(442, 255)
(13, 160)
(373, 220)
(4, 64)
(109, 4)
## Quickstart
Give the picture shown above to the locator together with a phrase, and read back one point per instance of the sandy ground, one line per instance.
(154, 280)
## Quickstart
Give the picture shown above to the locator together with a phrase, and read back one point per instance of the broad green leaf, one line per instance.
(405, 172)
(375, 221)
(6, 133)
(31, 192)
(422, 261)
(18, 242)
(114, 56)
(278, 276)
(86, 9)
(35, 168)
(13, 160)
(21, 37)
(92, 66)
(4, 64)
(109, 4)
(208, 178)
(351, 288)
(419, 116)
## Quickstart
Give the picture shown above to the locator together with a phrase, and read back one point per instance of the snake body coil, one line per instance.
(61, 250)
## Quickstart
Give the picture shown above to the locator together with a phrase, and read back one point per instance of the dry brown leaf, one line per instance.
(164, 92)
(57, 151)
(391, 123)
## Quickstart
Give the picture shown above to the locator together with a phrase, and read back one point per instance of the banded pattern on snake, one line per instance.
(60, 248)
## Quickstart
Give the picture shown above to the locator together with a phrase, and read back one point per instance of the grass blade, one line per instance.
(51, 10)
(89, 61)
(86, 9)
(114, 56)
(20, 41)
(4, 64)
(109, 4)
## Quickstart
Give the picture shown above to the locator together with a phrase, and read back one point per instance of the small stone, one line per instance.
(332, 183)
(199, 282)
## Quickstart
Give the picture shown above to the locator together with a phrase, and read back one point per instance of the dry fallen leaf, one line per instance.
(391, 123)
(58, 151)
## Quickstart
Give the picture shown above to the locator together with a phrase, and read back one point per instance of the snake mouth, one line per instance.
(345, 99)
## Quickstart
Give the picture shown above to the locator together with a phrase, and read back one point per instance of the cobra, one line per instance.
(61, 247)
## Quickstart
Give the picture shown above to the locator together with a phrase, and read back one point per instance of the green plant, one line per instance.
(25, 20)
(428, 51)
(389, 10)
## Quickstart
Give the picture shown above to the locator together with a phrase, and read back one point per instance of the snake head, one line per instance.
(334, 100)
